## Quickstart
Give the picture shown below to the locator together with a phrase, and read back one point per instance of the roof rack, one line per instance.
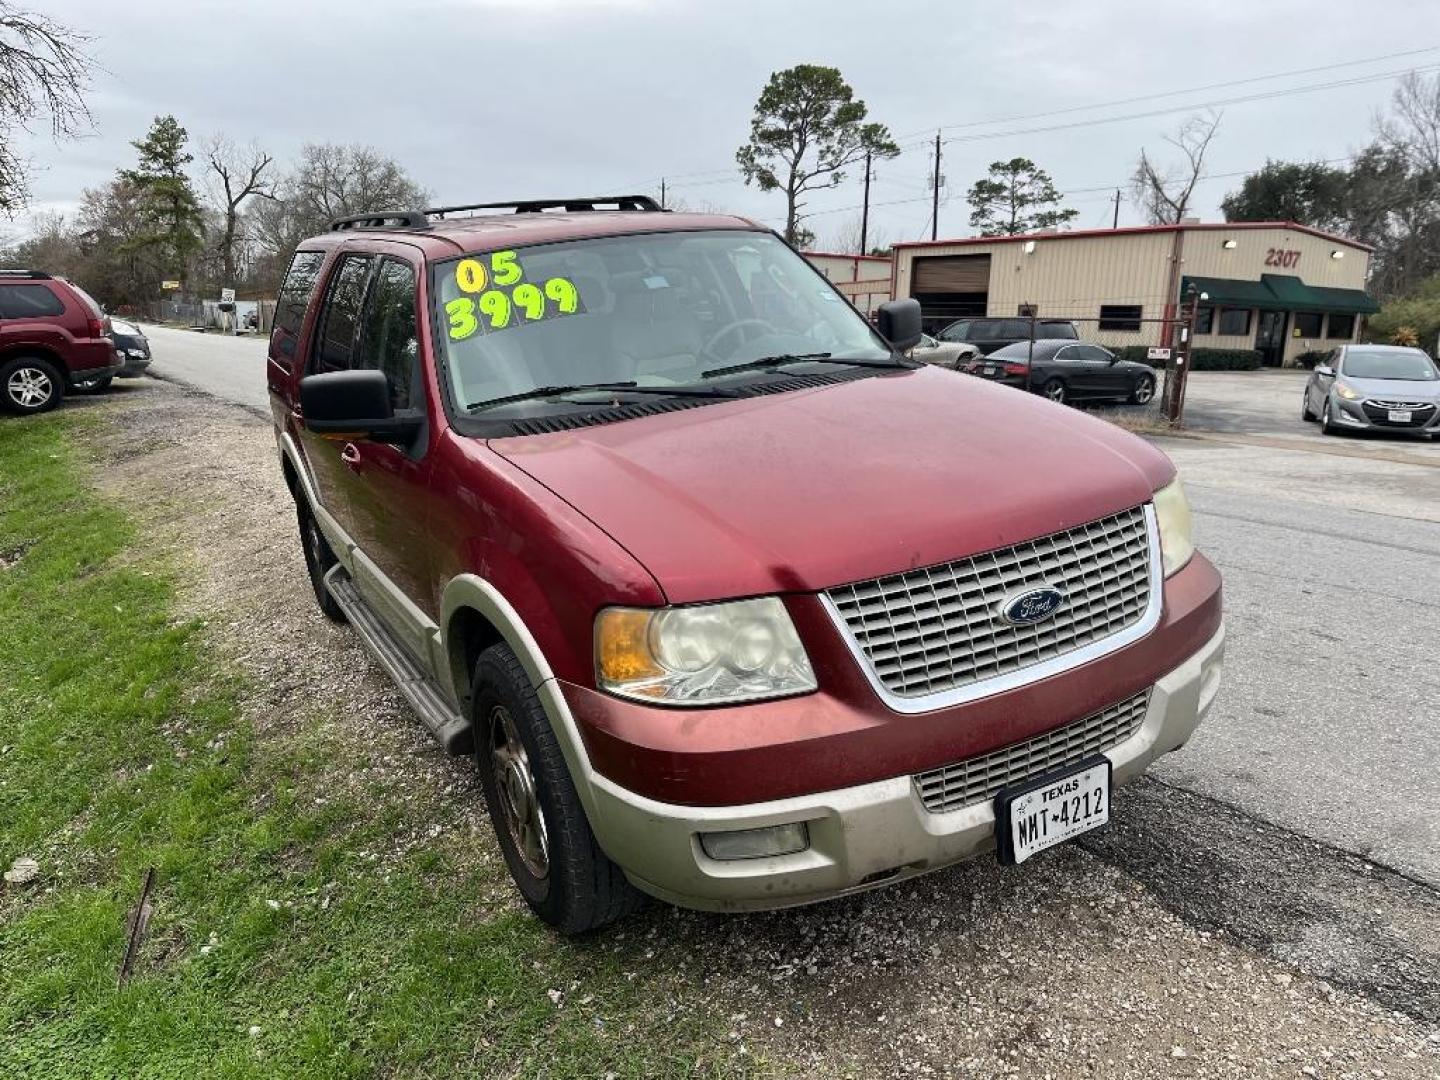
(36, 274)
(643, 203)
(384, 219)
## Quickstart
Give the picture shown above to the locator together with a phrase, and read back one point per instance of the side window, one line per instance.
(28, 302)
(335, 335)
(1070, 354)
(295, 294)
(388, 338)
(959, 331)
(1091, 353)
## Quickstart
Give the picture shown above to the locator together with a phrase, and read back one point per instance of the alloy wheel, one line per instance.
(1055, 391)
(30, 387)
(1145, 391)
(515, 785)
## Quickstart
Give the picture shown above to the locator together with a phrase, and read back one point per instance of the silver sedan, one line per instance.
(947, 354)
(1374, 388)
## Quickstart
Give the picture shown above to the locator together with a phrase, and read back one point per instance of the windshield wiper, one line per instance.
(781, 359)
(629, 387)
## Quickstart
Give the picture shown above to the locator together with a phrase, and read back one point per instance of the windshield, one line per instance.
(1410, 365)
(658, 310)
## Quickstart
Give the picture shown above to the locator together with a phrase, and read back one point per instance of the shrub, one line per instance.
(1405, 335)
(1309, 359)
(1418, 313)
(1201, 359)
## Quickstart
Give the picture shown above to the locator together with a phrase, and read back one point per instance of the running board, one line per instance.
(451, 730)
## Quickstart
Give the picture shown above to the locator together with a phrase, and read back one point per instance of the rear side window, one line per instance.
(388, 339)
(959, 331)
(28, 302)
(295, 294)
(335, 338)
(1057, 330)
(1008, 328)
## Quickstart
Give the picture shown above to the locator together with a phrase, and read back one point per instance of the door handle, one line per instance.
(350, 455)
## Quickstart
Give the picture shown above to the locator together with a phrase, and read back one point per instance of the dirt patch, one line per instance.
(1064, 967)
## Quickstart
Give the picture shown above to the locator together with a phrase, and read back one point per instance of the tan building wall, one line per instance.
(1070, 276)
(865, 279)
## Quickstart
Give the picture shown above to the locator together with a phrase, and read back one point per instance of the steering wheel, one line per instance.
(730, 328)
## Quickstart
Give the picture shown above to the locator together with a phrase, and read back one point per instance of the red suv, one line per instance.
(51, 334)
(732, 604)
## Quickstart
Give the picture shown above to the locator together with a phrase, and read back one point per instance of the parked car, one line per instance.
(133, 348)
(732, 604)
(1374, 388)
(946, 354)
(988, 335)
(51, 334)
(1065, 370)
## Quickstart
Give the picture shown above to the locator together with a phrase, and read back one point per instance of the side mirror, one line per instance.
(1325, 371)
(899, 323)
(353, 404)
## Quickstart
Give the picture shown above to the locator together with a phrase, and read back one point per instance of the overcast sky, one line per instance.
(488, 99)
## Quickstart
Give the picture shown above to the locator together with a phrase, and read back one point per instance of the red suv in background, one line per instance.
(51, 334)
(732, 604)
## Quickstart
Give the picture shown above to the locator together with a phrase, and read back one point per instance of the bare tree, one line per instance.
(1415, 126)
(240, 175)
(846, 238)
(1164, 193)
(44, 71)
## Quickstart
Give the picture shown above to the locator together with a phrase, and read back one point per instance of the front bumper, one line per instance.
(860, 836)
(1365, 415)
(134, 362)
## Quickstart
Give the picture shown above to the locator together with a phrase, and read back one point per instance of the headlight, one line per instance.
(1348, 392)
(1172, 513)
(705, 654)
(138, 354)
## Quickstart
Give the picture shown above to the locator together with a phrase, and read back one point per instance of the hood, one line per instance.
(1396, 389)
(805, 490)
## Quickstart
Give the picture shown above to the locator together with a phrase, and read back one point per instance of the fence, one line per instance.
(253, 315)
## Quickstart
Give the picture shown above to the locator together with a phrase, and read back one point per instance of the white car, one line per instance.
(946, 354)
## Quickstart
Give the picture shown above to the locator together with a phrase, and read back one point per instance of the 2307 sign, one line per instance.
(1282, 257)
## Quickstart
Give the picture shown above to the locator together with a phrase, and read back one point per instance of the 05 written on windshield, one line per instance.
(497, 296)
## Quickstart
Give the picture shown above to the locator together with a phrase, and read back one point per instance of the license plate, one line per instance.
(1059, 806)
(1399, 416)
(990, 369)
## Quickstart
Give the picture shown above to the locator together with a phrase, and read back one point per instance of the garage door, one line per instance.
(951, 274)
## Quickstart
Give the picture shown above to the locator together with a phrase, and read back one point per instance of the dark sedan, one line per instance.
(1065, 370)
(133, 348)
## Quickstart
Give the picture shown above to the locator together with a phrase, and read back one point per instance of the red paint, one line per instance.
(76, 340)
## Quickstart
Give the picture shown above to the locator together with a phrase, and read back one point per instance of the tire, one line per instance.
(1055, 390)
(318, 561)
(91, 386)
(1143, 391)
(546, 839)
(1326, 427)
(1305, 413)
(29, 384)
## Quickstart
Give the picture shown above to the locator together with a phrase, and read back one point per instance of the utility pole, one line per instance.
(662, 193)
(1175, 386)
(1116, 223)
(865, 209)
(935, 205)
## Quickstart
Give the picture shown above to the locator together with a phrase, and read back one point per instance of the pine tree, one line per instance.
(172, 222)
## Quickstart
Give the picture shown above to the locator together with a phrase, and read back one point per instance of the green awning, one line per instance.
(1281, 292)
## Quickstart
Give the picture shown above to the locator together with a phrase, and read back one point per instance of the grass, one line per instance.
(280, 943)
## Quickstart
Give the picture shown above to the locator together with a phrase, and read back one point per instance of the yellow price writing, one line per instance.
(496, 308)
(470, 275)
(462, 318)
(506, 268)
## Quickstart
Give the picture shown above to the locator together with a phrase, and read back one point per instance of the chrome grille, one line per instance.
(937, 629)
(978, 779)
(1413, 406)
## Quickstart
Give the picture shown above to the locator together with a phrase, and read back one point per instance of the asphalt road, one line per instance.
(1330, 548)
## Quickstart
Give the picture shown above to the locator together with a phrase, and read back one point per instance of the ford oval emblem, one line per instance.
(1032, 606)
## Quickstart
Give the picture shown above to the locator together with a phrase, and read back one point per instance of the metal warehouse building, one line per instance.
(1277, 287)
(864, 279)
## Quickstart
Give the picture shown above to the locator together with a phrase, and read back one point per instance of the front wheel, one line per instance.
(29, 385)
(543, 832)
(1143, 392)
(1306, 413)
(1327, 426)
(1055, 391)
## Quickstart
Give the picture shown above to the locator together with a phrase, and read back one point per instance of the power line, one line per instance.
(1176, 93)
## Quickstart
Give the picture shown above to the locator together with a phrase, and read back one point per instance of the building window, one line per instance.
(1027, 311)
(1120, 317)
(1307, 324)
(1205, 320)
(1234, 322)
(1341, 326)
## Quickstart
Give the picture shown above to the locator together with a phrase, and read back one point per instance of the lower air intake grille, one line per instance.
(977, 779)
